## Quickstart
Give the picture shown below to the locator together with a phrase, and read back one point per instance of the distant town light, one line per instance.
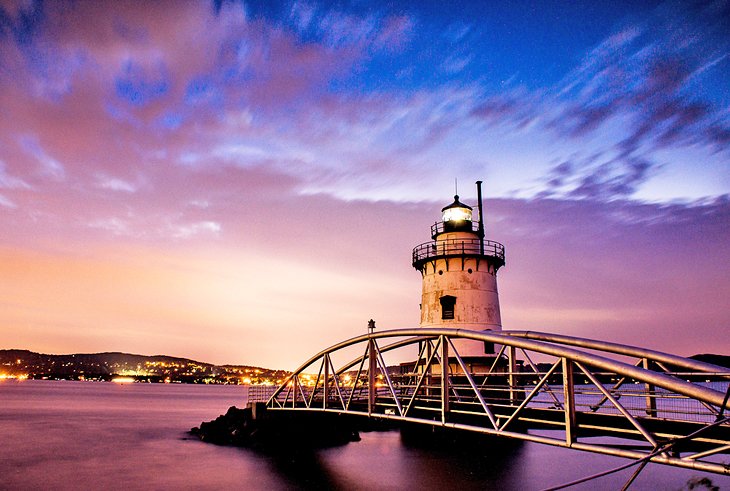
(5, 376)
(123, 380)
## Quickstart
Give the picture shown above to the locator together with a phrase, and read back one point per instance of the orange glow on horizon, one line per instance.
(123, 380)
(6, 376)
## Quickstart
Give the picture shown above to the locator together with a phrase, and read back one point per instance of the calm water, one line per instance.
(87, 435)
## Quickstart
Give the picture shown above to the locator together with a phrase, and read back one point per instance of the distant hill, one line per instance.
(106, 366)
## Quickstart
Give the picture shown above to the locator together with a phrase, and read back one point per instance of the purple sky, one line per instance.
(244, 182)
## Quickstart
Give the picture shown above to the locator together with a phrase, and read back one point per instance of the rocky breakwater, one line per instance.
(256, 427)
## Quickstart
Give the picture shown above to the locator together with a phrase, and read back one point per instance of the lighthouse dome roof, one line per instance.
(456, 204)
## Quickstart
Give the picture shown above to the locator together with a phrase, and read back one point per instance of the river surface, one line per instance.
(62, 435)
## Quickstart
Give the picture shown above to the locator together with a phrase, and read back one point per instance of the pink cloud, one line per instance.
(620, 271)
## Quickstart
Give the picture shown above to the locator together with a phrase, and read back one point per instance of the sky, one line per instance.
(243, 182)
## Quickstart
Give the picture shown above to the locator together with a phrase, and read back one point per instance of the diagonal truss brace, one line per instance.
(469, 377)
(618, 405)
(383, 367)
(532, 393)
(555, 399)
(425, 373)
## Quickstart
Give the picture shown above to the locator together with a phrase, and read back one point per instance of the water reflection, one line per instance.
(385, 460)
(75, 435)
(300, 468)
(388, 460)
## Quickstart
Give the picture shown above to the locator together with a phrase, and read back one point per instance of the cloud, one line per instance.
(115, 184)
(155, 228)
(302, 15)
(620, 270)
(139, 85)
(200, 203)
(116, 226)
(395, 33)
(597, 178)
(191, 230)
(10, 182)
(338, 29)
(649, 72)
(49, 166)
(297, 94)
(567, 257)
(634, 95)
(455, 64)
(240, 153)
(457, 32)
(6, 202)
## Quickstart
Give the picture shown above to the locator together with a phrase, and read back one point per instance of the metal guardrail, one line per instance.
(458, 247)
(260, 393)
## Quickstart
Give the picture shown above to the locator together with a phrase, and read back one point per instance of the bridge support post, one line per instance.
(325, 386)
(295, 388)
(569, 402)
(649, 388)
(429, 371)
(444, 378)
(372, 368)
(511, 354)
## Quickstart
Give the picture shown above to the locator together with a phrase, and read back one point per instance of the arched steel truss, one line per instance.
(585, 394)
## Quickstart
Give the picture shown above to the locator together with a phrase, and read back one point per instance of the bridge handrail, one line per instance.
(688, 389)
(621, 349)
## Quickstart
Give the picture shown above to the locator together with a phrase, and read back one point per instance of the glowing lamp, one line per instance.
(457, 215)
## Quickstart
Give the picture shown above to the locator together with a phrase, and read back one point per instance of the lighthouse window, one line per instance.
(447, 306)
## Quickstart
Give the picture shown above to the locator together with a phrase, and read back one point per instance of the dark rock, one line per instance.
(257, 428)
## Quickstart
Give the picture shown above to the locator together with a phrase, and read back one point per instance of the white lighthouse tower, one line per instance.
(459, 271)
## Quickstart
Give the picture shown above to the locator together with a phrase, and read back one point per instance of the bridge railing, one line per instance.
(537, 382)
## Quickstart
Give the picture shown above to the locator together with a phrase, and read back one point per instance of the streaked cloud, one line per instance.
(266, 98)
(191, 230)
(116, 226)
(8, 181)
(6, 202)
(156, 228)
(48, 165)
(115, 184)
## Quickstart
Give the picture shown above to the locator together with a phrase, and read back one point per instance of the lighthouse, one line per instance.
(459, 272)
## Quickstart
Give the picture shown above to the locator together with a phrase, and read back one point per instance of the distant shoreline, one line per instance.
(126, 367)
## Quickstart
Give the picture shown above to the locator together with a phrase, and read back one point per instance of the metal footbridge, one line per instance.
(582, 394)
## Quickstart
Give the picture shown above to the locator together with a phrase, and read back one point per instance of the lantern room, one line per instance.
(456, 216)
